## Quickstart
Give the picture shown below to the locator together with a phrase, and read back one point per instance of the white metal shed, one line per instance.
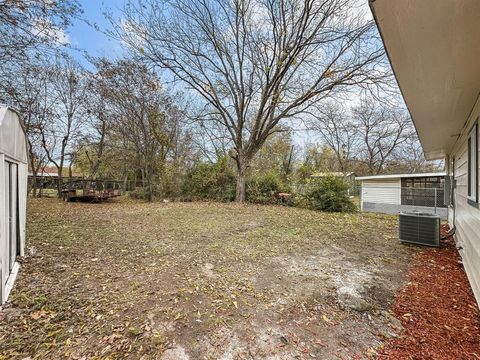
(394, 193)
(13, 196)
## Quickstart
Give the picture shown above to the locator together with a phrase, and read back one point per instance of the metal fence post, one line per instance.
(435, 200)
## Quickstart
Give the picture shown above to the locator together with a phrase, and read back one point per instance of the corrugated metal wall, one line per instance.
(386, 191)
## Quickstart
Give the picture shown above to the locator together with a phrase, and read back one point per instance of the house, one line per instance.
(13, 196)
(349, 176)
(392, 194)
(52, 172)
(434, 49)
(47, 178)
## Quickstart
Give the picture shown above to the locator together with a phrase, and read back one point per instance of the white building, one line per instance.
(13, 196)
(392, 194)
(434, 49)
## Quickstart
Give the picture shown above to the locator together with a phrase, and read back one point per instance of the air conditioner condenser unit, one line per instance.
(419, 228)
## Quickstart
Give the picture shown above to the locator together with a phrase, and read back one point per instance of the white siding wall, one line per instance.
(467, 216)
(3, 230)
(13, 151)
(385, 191)
(22, 204)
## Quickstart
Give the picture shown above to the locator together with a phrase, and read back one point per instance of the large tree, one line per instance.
(256, 63)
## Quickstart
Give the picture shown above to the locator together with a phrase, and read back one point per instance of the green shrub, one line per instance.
(262, 188)
(139, 193)
(210, 181)
(330, 193)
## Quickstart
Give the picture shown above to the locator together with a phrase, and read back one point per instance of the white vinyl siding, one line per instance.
(466, 217)
(13, 197)
(381, 191)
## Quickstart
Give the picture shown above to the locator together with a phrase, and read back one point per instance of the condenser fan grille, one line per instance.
(419, 228)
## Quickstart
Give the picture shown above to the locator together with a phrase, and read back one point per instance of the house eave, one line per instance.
(433, 49)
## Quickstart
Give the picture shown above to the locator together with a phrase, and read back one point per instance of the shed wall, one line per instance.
(386, 191)
(13, 168)
(13, 142)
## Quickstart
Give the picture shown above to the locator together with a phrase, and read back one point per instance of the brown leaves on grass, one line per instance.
(437, 310)
(127, 279)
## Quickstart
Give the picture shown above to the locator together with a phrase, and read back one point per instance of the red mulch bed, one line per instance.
(437, 310)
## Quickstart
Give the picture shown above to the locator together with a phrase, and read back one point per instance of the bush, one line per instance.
(330, 193)
(262, 188)
(210, 181)
(139, 193)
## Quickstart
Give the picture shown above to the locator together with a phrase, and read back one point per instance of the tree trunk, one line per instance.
(59, 183)
(242, 165)
(33, 184)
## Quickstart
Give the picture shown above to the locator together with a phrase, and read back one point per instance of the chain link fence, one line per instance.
(395, 199)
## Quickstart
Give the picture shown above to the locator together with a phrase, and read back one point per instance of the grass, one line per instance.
(128, 279)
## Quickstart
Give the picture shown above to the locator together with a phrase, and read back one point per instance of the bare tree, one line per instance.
(410, 158)
(68, 89)
(93, 143)
(28, 92)
(27, 25)
(338, 131)
(255, 63)
(382, 130)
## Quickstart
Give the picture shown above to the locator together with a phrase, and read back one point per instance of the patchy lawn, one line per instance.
(202, 281)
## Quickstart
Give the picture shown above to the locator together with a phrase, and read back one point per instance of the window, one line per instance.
(473, 164)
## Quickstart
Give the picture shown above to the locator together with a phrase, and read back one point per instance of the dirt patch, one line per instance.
(177, 353)
(437, 310)
(134, 280)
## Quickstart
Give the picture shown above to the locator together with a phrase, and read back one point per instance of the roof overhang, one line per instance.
(434, 49)
(400, 176)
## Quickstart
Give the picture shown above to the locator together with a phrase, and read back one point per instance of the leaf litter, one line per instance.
(135, 280)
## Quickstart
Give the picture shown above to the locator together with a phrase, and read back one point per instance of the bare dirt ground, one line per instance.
(202, 281)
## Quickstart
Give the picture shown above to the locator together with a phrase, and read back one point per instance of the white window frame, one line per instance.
(472, 163)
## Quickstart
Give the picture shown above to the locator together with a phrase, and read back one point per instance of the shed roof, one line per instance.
(399, 176)
(13, 140)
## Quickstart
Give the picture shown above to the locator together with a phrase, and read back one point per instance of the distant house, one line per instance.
(348, 175)
(52, 172)
(392, 194)
(13, 197)
(47, 178)
(433, 47)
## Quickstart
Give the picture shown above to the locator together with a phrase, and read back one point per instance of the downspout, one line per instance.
(449, 169)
